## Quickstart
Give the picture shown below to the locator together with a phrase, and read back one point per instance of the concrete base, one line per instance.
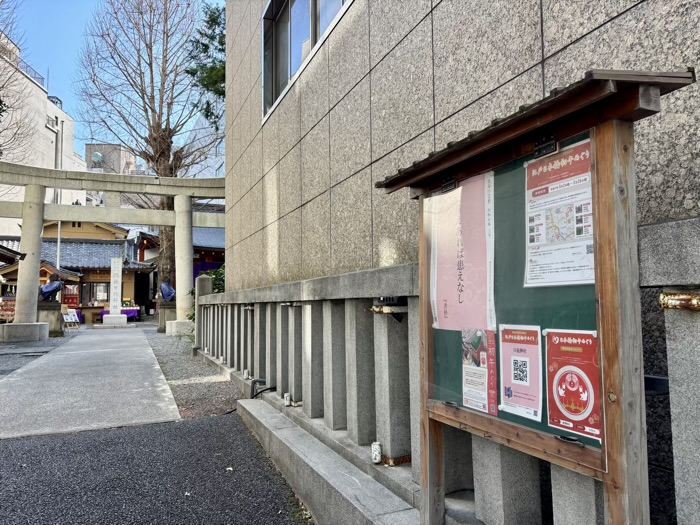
(334, 490)
(50, 312)
(244, 385)
(113, 326)
(114, 320)
(179, 328)
(19, 332)
(166, 312)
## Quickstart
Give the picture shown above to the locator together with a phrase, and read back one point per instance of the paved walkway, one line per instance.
(207, 471)
(98, 379)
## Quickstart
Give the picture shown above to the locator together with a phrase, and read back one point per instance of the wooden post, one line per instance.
(431, 442)
(626, 479)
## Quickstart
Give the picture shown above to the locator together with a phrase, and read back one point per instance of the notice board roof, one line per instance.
(601, 95)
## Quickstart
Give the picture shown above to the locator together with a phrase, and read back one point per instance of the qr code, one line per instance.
(589, 249)
(521, 371)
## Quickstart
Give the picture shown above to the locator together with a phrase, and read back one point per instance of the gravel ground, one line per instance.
(198, 390)
(205, 471)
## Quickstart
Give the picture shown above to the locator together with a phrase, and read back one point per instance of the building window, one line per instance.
(76, 224)
(220, 170)
(219, 150)
(325, 13)
(290, 29)
(95, 294)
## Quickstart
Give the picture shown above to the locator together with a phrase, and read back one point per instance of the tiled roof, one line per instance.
(80, 253)
(209, 238)
(8, 255)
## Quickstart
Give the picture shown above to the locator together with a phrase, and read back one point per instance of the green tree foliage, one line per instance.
(208, 57)
(219, 279)
(218, 286)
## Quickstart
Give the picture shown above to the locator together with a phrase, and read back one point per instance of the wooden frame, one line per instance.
(608, 112)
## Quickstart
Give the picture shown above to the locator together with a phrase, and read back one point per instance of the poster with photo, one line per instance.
(521, 365)
(461, 234)
(573, 382)
(559, 225)
(479, 380)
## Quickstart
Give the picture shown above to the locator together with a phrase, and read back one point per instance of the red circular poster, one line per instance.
(573, 382)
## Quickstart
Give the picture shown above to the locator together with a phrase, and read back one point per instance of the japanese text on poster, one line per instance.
(559, 226)
(521, 365)
(461, 247)
(479, 382)
(115, 303)
(573, 382)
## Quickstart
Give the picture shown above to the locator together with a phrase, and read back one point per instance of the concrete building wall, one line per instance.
(211, 162)
(48, 124)
(115, 158)
(82, 230)
(393, 81)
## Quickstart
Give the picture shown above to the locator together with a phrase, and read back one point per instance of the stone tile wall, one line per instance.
(394, 81)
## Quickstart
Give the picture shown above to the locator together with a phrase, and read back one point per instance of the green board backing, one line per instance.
(563, 307)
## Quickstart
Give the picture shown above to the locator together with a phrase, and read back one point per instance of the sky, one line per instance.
(53, 35)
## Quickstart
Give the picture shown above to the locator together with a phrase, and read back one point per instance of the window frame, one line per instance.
(271, 15)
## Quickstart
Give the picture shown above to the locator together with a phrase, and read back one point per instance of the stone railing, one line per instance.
(345, 351)
(351, 370)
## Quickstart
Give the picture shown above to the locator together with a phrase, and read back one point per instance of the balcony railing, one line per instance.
(31, 73)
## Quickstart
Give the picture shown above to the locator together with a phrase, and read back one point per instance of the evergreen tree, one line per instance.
(208, 58)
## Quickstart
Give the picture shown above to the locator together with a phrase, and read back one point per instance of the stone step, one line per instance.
(335, 491)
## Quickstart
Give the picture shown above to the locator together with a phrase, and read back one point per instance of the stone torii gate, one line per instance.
(33, 212)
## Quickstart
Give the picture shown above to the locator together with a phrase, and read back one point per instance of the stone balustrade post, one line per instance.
(260, 344)
(391, 385)
(334, 381)
(312, 359)
(506, 485)
(295, 353)
(359, 371)
(282, 351)
(203, 286)
(271, 345)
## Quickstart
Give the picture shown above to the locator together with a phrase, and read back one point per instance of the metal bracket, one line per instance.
(680, 301)
(545, 145)
(448, 185)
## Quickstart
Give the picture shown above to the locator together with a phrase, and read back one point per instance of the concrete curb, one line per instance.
(336, 492)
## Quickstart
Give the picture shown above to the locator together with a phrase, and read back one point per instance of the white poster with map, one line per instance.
(559, 225)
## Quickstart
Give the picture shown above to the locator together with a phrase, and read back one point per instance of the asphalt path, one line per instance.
(93, 436)
(202, 471)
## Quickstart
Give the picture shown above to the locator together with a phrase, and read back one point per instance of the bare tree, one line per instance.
(16, 128)
(135, 91)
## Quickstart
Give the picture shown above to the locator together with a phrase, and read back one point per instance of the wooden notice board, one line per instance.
(508, 359)
(529, 284)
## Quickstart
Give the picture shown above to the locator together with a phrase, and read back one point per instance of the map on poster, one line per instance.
(521, 365)
(461, 234)
(559, 226)
(573, 382)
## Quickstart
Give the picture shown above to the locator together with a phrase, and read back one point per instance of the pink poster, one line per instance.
(521, 365)
(460, 226)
